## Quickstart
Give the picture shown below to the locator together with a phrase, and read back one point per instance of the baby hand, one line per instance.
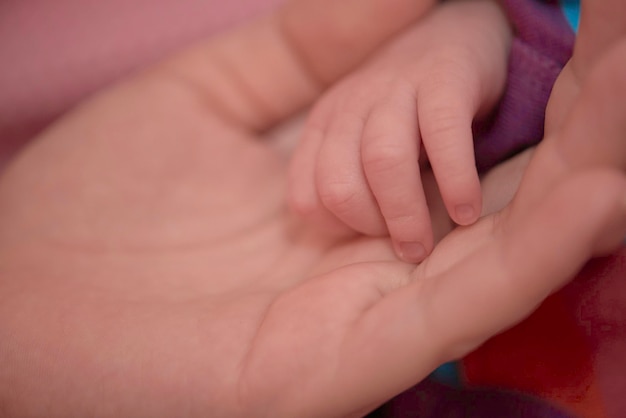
(357, 162)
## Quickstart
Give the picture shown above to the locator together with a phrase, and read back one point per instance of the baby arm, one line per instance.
(357, 163)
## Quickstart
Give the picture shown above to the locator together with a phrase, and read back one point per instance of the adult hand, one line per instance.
(149, 266)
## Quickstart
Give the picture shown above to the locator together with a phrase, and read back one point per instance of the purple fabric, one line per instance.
(542, 45)
(430, 399)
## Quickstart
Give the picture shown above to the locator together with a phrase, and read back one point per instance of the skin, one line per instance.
(602, 26)
(149, 267)
(357, 165)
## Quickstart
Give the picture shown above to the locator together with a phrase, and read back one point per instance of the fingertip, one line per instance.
(463, 199)
(412, 241)
(411, 252)
(457, 178)
(465, 214)
(462, 196)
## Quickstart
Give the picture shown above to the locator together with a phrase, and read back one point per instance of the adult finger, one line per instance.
(592, 135)
(602, 24)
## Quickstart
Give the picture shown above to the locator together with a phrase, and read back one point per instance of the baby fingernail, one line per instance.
(412, 251)
(465, 214)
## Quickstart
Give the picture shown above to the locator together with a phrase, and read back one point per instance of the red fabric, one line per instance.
(571, 351)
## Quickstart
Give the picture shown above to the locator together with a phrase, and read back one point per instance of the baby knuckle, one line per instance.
(442, 122)
(338, 195)
(379, 157)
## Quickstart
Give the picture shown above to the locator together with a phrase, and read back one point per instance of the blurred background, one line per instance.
(54, 53)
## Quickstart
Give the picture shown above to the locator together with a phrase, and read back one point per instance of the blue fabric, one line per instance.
(571, 10)
(448, 374)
